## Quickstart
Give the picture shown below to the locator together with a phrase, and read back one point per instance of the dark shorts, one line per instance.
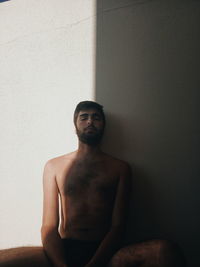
(79, 252)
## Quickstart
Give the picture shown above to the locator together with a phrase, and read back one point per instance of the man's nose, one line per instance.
(89, 120)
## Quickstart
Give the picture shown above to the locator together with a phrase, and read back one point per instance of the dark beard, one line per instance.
(90, 139)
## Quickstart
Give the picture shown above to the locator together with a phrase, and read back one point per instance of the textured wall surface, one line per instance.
(147, 78)
(47, 52)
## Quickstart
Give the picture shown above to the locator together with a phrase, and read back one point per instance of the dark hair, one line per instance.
(85, 105)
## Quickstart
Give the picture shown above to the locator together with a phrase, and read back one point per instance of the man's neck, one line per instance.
(88, 151)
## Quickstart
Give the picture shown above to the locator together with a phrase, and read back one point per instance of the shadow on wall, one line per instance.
(117, 139)
(115, 130)
(147, 73)
(118, 71)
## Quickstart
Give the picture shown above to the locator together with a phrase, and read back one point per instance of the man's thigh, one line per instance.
(153, 253)
(24, 256)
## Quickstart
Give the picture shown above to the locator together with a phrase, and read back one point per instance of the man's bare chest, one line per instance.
(87, 179)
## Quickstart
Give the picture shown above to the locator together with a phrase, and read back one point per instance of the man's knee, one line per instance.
(171, 254)
(151, 253)
(119, 260)
(127, 257)
(23, 256)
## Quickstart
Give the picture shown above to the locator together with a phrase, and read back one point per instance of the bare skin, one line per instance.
(93, 189)
(87, 187)
(23, 257)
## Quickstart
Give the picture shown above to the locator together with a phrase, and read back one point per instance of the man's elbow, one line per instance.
(47, 231)
(49, 228)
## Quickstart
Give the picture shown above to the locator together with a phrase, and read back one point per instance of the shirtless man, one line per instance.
(94, 190)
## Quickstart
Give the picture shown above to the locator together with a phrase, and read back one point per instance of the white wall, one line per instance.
(47, 50)
(147, 78)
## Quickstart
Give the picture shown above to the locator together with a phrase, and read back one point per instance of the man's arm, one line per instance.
(51, 239)
(111, 241)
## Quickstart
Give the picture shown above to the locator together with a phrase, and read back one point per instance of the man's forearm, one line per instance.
(109, 245)
(53, 246)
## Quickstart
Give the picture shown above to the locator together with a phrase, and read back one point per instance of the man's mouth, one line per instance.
(90, 128)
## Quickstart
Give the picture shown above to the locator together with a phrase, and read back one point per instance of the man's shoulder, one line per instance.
(60, 159)
(118, 163)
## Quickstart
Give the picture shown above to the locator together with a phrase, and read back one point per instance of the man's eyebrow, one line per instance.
(83, 114)
(86, 114)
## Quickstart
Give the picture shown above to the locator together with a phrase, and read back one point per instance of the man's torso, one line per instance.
(87, 189)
